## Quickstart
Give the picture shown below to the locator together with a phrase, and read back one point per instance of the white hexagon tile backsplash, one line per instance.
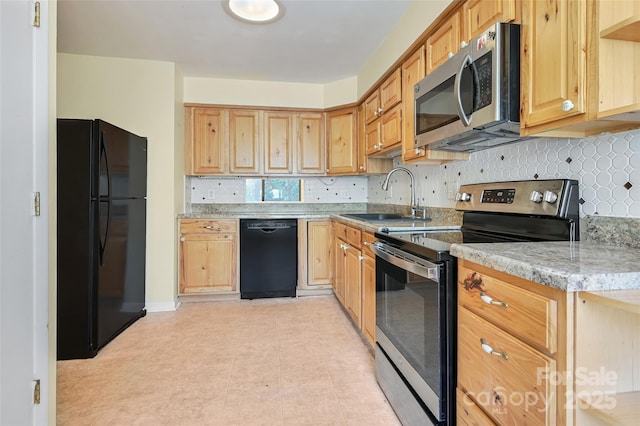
(607, 168)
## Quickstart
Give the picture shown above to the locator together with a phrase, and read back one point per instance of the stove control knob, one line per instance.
(536, 197)
(463, 196)
(550, 197)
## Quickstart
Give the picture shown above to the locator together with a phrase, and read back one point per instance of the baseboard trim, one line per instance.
(162, 306)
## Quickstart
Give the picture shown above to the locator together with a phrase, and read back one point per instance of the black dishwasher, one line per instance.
(268, 258)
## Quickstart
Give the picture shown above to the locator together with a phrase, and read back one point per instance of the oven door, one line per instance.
(410, 322)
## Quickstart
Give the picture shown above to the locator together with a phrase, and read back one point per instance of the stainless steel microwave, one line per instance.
(472, 101)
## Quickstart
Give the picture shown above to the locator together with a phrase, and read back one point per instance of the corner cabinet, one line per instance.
(208, 258)
(342, 143)
(383, 116)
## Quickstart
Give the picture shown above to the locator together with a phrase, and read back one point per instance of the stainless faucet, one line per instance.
(414, 204)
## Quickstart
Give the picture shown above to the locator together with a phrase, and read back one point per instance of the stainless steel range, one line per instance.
(416, 287)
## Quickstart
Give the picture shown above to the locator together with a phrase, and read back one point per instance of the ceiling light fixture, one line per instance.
(254, 11)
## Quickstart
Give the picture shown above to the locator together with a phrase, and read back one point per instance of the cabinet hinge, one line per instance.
(36, 203)
(36, 14)
(36, 392)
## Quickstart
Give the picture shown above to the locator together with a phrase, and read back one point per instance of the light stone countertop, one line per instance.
(578, 266)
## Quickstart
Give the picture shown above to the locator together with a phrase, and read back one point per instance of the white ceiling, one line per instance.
(317, 41)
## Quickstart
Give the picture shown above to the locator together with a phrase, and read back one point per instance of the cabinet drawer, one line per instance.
(529, 316)
(367, 240)
(353, 236)
(210, 226)
(340, 230)
(514, 390)
(468, 413)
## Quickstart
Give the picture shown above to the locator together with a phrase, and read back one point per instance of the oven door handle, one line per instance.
(407, 261)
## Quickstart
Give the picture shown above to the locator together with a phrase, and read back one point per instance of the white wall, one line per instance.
(138, 96)
(419, 15)
(254, 93)
(607, 168)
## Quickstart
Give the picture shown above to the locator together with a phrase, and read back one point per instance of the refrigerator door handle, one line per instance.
(103, 153)
(103, 241)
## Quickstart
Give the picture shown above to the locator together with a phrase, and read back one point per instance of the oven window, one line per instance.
(408, 309)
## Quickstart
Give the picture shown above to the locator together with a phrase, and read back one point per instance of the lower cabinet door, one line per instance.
(506, 377)
(208, 263)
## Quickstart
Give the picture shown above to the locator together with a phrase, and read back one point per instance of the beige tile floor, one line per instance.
(261, 362)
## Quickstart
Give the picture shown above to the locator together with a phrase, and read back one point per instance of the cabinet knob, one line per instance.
(450, 54)
(463, 44)
(182, 239)
(567, 105)
(361, 167)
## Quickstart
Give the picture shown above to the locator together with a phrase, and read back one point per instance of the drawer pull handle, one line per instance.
(488, 349)
(489, 300)
(211, 228)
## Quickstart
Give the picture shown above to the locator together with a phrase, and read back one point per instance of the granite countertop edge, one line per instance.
(571, 267)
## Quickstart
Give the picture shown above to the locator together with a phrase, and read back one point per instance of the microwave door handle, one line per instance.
(466, 119)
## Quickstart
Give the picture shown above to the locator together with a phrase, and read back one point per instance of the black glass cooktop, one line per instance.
(433, 245)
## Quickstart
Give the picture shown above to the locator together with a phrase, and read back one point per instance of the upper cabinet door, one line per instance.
(372, 108)
(481, 14)
(391, 91)
(205, 142)
(412, 72)
(311, 143)
(342, 146)
(278, 144)
(244, 140)
(444, 42)
(552, 61)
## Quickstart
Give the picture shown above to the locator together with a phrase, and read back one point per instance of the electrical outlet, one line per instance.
(211, 194)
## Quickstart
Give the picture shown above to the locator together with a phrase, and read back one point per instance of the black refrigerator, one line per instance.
(101, 225)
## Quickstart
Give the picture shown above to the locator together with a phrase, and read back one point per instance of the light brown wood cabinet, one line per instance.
(208, 258)
(444, 41)
(245, 140)
(355, 276)
(478, 15)
(578, 59)
(383, 116)
(206, 146)
(315, 265)
(226, 140)
(607, 386)
(366, 164)
(278, 142)
(342, 143)
(311, 143)
(368, 288)
(512, 340)
(348, 275)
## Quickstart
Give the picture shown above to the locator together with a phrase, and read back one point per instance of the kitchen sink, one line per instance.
(382, 217)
